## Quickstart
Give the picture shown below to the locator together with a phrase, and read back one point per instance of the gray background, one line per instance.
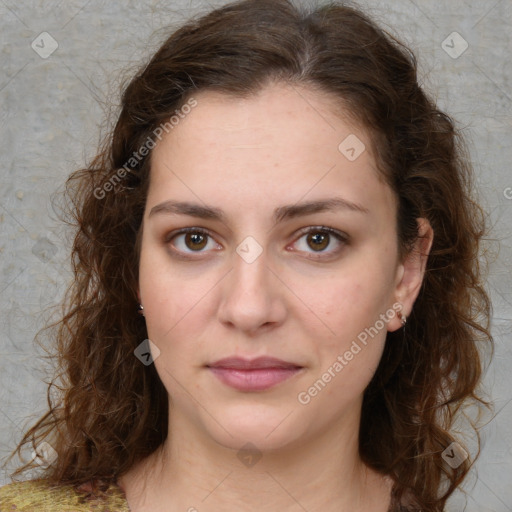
(50, 117)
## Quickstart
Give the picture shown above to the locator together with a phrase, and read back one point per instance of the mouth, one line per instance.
(253, 375)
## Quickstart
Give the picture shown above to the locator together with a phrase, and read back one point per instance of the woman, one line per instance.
(290, 215)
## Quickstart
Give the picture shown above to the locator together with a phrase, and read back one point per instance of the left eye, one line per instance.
(319, 238)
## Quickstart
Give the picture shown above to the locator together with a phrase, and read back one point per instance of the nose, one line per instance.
(252, 297)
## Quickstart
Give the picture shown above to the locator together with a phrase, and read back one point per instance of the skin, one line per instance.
(294, 302)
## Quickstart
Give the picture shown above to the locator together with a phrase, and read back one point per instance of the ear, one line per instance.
(411, 271)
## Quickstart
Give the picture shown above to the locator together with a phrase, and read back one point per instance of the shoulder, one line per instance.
(39, 495)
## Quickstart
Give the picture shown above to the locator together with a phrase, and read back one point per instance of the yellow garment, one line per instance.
(38, 496)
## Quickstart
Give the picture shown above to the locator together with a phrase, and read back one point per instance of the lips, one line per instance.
(238, 363)
(253, 374)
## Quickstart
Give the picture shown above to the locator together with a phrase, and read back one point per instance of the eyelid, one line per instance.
(341, 237)
(192, 229)
(183, 231)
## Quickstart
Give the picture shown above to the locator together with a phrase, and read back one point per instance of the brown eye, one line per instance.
(190, 240)
(195, 241)
(318, 241)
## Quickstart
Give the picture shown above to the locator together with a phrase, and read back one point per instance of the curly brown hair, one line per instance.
(113, 411)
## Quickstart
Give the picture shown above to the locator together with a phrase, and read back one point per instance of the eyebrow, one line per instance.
(281, 213)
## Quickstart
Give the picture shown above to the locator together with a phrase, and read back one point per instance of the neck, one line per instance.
(192, 472)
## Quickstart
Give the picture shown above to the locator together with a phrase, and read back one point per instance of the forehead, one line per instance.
(283, 142)
(279, 116)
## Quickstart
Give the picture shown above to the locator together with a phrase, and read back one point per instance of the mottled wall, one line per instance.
(52, 105)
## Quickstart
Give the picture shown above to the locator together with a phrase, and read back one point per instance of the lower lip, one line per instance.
(253, 380)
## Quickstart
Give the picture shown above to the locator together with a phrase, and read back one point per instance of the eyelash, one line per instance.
(341, 237)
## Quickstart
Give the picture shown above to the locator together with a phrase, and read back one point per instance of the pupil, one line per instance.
(318, 238)
(196, 239)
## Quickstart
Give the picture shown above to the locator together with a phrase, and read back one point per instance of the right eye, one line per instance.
(189, 240)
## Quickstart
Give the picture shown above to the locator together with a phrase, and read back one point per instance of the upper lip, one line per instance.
(252, 364)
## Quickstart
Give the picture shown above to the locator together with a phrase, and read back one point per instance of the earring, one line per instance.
(403, 318)
(140, 308)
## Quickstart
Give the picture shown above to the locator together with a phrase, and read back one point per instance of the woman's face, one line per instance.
(258, 182)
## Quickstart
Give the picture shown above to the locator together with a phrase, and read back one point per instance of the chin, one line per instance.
(265, 427)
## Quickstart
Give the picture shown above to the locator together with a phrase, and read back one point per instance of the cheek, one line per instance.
(172, 309)
(166, 299)
(349, 358)
(345, 302)
(344, 314)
